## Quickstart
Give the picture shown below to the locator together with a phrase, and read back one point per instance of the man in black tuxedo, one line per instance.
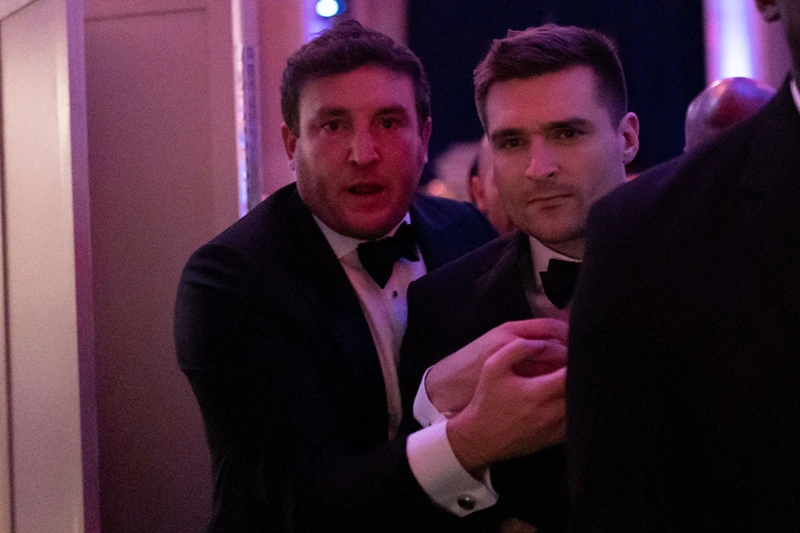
(553, 103)
(683, 411)
(288, 324)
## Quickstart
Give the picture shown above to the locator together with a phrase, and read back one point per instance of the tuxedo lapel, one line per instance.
(322, 280)
(770, 202)
(500, 292)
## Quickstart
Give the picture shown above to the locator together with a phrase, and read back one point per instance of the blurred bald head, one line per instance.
(721, 105)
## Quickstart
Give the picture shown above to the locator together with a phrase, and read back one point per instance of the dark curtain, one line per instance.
(660, 44)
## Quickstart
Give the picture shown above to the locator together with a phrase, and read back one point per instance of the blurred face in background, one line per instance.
(788, 13)
(484, 193)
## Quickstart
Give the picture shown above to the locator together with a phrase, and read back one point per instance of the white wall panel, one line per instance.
(44, 151)
(163, 172)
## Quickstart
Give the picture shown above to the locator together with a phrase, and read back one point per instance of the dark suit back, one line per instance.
(684, 370)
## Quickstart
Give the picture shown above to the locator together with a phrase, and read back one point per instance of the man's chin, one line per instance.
(370, 231)
(374, 221)
(556, 238)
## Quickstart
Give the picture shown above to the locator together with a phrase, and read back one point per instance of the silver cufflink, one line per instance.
(466, 502)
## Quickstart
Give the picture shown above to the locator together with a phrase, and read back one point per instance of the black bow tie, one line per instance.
(559, 280)
(379, 257)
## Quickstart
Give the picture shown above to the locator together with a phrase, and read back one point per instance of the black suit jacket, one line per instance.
(447, 310)
(683, 390)
(278, 352)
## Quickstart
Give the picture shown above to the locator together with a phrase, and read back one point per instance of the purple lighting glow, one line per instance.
(731, 39)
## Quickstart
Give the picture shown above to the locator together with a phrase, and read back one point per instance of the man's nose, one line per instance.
(363, 149)
(542, 163)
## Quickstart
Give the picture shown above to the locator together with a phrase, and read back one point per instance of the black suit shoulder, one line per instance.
(445, 310)
(265, 234)
(446, 208)
(442, 314)
(453, 278)
(448, 229)
(678, 197)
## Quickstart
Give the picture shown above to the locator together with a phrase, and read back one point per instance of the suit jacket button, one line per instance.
(466, 502)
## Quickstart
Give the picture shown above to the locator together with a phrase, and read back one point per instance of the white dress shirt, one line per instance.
(386, 311)
(539, 302)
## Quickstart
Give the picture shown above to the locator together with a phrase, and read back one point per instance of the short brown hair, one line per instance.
(346, 47)
(551, 48)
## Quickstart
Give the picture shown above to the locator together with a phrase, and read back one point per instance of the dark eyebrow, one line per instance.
(392, 110)
(573, 122)
(504, 133)
(327, 112)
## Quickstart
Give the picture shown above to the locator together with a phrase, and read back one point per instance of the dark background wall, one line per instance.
(660, 44)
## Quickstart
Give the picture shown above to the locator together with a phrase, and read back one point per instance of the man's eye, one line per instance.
(332, 125)
(568, 134)
(510, 143)
(388, 123)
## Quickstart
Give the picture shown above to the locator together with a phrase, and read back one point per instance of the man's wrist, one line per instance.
(467, 445)
(441, 385)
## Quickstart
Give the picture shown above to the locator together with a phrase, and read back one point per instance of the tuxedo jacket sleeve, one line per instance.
(684, 367)
(274, 343)
(450, 308)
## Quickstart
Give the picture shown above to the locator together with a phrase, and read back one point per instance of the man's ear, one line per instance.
(629, 136)
(289, 143)
(477, 193)
(768, 9)
(425, 133)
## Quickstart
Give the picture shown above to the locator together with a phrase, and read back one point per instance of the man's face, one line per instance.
(788, 12)
(359, 151)
(556, 151)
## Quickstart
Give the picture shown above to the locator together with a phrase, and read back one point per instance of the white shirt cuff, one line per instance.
(441, 475)
(424, 411)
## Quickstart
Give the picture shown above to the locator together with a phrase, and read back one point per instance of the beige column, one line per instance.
(163, 169)
(386, 16)
(48, 476)
(281, 32)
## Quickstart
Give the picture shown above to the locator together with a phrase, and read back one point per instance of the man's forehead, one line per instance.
(537, 101)
(367, 87)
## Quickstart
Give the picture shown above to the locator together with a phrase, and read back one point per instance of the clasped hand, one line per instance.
(505, 392)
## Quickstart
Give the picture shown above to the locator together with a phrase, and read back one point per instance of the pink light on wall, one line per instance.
(733, 39)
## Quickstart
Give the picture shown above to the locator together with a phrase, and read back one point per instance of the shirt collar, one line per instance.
(795, 94)
(343, 244)
(541, 256)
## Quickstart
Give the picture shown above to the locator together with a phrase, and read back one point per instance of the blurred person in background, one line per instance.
(721, 105)
(483, 190)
